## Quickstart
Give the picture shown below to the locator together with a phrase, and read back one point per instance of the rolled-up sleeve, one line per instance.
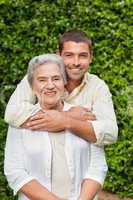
(105, 126)
(97, 169)
(20, 105)
(14, 167)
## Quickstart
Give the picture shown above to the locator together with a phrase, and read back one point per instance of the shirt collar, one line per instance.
(77, 90)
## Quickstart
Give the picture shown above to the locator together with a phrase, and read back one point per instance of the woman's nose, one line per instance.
(50, 84)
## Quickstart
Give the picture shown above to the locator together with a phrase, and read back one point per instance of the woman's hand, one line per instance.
(89, 189)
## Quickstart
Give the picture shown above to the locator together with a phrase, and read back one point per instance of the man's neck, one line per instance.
(72, 84)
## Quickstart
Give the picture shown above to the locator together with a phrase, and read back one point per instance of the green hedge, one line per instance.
(29, 28)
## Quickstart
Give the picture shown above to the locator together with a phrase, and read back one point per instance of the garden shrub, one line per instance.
(30, 28)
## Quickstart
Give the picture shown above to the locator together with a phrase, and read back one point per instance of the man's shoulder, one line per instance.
(94, 79)
(90, 76)
(96, 83)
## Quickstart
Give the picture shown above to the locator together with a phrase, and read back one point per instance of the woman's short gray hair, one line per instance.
(42, 59)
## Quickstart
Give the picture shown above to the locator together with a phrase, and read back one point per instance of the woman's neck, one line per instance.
(58, 106)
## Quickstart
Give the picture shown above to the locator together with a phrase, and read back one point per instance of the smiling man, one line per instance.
(77, 58)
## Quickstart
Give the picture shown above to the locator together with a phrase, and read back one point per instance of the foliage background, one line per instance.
(29, 28)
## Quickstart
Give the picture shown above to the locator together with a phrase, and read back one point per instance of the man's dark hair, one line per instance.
(74, 36)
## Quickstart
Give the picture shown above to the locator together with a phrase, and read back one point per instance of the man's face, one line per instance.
(77, 58)
(48, 84)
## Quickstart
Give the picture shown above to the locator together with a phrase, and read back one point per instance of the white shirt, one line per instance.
(59, 169)
(25, 149)
(92, 93)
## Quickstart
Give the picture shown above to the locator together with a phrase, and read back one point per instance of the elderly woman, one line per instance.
(51, 166)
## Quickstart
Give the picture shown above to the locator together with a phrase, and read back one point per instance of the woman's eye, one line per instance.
(56, 79)
(42, 80)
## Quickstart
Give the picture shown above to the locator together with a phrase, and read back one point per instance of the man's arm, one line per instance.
(102, 131)
(20, 106)
(55, 121)
(105, 126)
(18, 177)
(83, 129)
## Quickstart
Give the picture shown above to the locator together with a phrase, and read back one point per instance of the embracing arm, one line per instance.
(20, 106)
(55, 121)
(18, 177)
(105, 126)
(82, 128)
(104, 129)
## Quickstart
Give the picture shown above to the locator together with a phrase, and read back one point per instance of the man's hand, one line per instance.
(51, 120)
(81, 113)
(55, 121)
(39, 119)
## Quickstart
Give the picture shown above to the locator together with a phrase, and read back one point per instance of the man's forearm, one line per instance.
(55, 121)
(83, 129)
(35, 191)
(89, 189)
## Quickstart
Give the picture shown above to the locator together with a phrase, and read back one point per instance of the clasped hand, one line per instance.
(55, 121)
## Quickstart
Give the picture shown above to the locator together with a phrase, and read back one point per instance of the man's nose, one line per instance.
(76, 60)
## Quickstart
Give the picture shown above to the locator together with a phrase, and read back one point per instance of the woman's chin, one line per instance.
(52, 105)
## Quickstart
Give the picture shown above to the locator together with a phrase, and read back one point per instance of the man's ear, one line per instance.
(91, 57)
(57, 52)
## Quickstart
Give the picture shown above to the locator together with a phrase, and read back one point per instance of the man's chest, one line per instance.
(85, 98)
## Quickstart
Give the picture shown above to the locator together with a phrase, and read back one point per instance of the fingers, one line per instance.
(37, 119)
(80, 109)
(87, 109)
(40, 127)
(37, 125)
(90, 116)
(37, 116)
(87, 115)
(36, 122)
(25, 124)
(43, 128)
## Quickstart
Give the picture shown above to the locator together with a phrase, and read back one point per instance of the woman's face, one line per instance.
(48, 85)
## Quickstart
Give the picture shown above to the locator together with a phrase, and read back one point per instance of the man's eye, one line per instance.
(84, 55)
(68, 55)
